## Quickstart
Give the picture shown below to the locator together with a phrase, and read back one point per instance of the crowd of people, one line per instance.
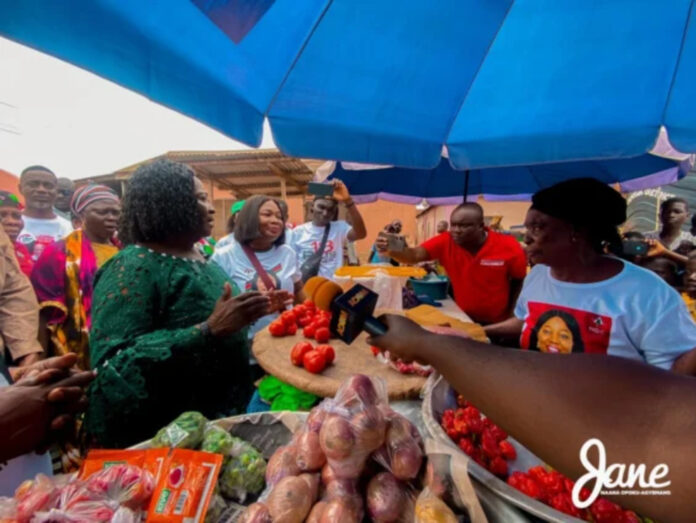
(124, 287)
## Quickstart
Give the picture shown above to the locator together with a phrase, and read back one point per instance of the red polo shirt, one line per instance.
(481, 281)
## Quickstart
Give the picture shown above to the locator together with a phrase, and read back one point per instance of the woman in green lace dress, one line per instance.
(168, 329)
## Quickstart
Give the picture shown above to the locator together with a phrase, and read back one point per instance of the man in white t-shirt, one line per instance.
(39, 186)
(307, 238)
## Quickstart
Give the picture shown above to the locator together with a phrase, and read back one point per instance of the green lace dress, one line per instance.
(152, 360)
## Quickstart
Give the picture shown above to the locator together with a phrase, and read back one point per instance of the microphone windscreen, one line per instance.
(325, 294)
(311, 286)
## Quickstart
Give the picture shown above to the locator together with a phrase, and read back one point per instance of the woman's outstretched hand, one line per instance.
(232, 314)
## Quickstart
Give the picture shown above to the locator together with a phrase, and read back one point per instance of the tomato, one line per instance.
(303, 321)
(291, 329)
(314, 361)
(288, 318)
(299, 310)
(322, 334)
(328, 352)
(298, 351)
(309, 305)
(277, 328)
(322, 321)
(309, 331)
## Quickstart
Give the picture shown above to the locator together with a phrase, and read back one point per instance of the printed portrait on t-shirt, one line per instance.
(256, 283)
(562, 330)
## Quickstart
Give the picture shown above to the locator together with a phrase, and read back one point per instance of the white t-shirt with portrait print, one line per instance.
(40, 232)
(634, 315)
(306, 240)
(279, 262)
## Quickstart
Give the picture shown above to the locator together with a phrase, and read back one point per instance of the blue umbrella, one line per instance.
(444, 185)
(500, 82)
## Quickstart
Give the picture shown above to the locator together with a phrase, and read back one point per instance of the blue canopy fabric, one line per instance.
(500, 82)
(444, 185)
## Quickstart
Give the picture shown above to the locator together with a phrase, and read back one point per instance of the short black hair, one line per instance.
(469, 205)
(36, 168)
(246, 228)
(571, 323)
(160, 204)
(670, 201)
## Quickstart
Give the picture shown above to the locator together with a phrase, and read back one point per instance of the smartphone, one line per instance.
(395, 243)
(320, 189)
(635, 247)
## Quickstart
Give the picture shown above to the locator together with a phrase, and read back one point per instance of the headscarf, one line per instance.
(237, 206)
(585, 203)
(89, 194)
(8, 199)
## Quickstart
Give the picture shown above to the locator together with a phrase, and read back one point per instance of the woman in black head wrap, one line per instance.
(616, 307)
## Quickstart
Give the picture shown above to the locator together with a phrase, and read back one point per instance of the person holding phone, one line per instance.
(319, 244)
(674, 212)
(485, 268)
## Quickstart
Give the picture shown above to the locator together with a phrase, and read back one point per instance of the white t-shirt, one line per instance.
(306, 240)
(39, 232)
(15, 471)
(280, 264)
(634, 314)
(226, 240)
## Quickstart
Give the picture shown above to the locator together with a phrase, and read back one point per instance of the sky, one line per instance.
(81, 125)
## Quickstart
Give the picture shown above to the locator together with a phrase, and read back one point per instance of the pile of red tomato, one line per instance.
(486, 443)
(313, 359)
(313, 322)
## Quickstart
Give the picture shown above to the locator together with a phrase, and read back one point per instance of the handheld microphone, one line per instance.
(351, 311)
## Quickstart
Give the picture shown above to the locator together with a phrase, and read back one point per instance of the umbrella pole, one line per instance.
(466, 186)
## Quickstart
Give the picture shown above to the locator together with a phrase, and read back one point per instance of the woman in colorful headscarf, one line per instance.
(12, 222)
(63, 276)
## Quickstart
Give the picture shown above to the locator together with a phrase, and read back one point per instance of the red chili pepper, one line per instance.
(489, 445)
(298, 351)
(322, 334)
(507, 450)
(277, 328)
(499, 467)
(467, 446)
(314, 361)
(375, 351)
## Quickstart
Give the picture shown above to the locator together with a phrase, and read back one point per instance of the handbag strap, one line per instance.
(267, 281)
(323, 240)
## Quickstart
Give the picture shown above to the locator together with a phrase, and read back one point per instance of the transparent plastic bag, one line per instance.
(389, 500)
(127, 485)
(354, 426)
(244, 471)
(402, 452)
(185, 432)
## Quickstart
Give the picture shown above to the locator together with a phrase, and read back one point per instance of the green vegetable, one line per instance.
(244, 473)
(217, 440)
(185, 432)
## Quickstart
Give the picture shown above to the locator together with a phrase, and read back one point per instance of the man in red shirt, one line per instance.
(485, 268)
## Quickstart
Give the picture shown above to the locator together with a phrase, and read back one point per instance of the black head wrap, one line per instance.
(586, 204)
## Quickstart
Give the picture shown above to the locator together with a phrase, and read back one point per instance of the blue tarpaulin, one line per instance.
(500, 82)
